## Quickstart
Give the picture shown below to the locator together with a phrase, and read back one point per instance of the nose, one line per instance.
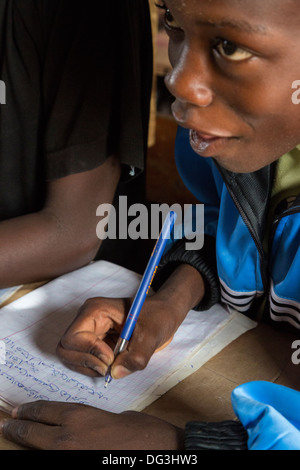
(189, 80)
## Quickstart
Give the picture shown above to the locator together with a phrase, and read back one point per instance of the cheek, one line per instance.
(269, 109)
(280, 121)
(274, 123)
(266, 97)
(274, 136)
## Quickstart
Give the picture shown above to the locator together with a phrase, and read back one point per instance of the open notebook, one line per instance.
(31, 327)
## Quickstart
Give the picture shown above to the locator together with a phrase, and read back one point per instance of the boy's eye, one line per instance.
(168, 18)
(231, 51)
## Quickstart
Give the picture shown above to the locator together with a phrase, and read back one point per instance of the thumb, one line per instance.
(137, 355)
(119, 371)
(129, 361)
(134, 359)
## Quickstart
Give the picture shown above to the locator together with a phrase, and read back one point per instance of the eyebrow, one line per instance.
(242, 26)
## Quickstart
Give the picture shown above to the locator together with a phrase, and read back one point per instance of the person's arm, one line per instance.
(69, 426)
(267, 420)
(61, 426)
(62, 236)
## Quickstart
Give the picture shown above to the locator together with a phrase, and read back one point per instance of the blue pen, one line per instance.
(143, 289)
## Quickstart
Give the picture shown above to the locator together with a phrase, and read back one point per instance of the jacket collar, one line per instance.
(251, 193)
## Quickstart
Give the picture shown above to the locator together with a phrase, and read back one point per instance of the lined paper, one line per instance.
(31, 327)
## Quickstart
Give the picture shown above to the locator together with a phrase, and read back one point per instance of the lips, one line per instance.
(207, 145)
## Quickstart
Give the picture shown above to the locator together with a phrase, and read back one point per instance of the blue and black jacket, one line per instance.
(246, 258)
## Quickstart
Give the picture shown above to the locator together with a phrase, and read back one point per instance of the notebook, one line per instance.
(31, 327)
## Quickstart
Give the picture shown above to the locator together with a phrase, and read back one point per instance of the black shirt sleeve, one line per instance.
(96, 84)
(78, 84)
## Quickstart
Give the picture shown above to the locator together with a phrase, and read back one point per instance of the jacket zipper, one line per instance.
(262, 258)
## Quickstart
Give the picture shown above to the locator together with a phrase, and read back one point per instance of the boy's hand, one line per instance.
(88, 344)
(62, 426)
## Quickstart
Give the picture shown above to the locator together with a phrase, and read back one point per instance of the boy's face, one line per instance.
(234, 63)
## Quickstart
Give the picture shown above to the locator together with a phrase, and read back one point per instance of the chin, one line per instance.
(239, 167)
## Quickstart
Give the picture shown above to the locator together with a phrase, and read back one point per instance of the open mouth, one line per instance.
(207, 145)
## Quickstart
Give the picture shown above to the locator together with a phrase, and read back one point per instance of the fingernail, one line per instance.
(99, 370)
(119, 372)
(14, 413)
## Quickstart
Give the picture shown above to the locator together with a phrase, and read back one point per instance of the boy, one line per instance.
(233, 68)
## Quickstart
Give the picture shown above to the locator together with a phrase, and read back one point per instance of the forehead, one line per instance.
(250, 15)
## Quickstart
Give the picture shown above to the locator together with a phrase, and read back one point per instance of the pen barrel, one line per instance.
(148, 276)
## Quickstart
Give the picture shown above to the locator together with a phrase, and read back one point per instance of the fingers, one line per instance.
(28, 434)
(35, 424)
(46, 412)
(85, 353)
(87, 346)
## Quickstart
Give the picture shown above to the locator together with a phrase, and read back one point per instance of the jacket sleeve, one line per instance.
(203, 260)
(270, 414)
(226, 435)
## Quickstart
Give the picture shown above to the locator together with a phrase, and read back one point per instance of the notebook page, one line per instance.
(31, 327)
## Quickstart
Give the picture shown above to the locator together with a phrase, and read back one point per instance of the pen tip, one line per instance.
(107, 381)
